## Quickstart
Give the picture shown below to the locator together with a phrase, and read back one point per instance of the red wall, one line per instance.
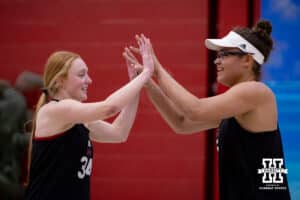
(154, 163)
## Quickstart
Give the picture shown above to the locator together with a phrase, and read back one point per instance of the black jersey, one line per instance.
(61, 166)
(251, 165)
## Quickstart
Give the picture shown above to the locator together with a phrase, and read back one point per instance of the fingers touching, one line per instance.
(145, 50)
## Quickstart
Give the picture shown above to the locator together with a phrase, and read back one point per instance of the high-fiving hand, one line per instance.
(145, 50)
(132, 61)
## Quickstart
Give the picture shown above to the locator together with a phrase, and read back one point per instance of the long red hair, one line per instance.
(57, 66)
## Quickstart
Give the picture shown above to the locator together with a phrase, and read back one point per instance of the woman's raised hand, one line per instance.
(137, 51)
(145, 50)
(131, 60)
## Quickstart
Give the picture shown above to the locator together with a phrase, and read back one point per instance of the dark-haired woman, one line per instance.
(251, 161)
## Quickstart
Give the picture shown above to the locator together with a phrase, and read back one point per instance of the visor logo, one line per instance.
(243, 46)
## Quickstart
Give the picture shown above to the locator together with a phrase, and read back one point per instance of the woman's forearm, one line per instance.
(119, 129)
(176, 119)
(164, 106)
(127, 93)
(123, 123)
(181, 97)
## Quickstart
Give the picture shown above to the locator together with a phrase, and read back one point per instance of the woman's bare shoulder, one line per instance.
(253, 91)
(253, 86)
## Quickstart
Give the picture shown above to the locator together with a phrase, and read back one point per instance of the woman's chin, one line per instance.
(83, 97)
(222, 81)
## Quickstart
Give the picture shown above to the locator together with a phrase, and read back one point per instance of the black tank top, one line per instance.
(251, 165)
(61, 166)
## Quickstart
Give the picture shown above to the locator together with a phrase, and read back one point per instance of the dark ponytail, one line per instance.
(263, 29)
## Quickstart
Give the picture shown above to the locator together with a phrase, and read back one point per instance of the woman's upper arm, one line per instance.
(188, 126)
(71, 111)
(238, 100)
(102, 131)
(97, 128)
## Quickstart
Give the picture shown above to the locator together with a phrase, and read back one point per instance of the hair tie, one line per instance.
(45, 91)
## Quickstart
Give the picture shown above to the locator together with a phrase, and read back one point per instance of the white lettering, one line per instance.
(86, 167)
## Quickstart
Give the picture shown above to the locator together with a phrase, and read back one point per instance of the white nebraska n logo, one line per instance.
(272, 170)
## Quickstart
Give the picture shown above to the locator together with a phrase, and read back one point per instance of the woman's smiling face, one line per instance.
(77, 81)
(229, 64)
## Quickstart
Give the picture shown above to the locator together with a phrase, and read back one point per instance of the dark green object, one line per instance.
(13, 142)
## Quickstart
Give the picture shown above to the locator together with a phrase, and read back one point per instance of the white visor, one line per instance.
(234, 40)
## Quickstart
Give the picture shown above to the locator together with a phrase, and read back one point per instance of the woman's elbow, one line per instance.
(194, 115)
(120, 139)
(123, 139)
(184, 126)
(181, 130)
(179, 126)
(114, 140)
(178, 131)
(121, 136)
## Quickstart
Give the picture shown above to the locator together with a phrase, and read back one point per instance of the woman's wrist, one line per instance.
(157, 71)
(149, 84)
(147, 71)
